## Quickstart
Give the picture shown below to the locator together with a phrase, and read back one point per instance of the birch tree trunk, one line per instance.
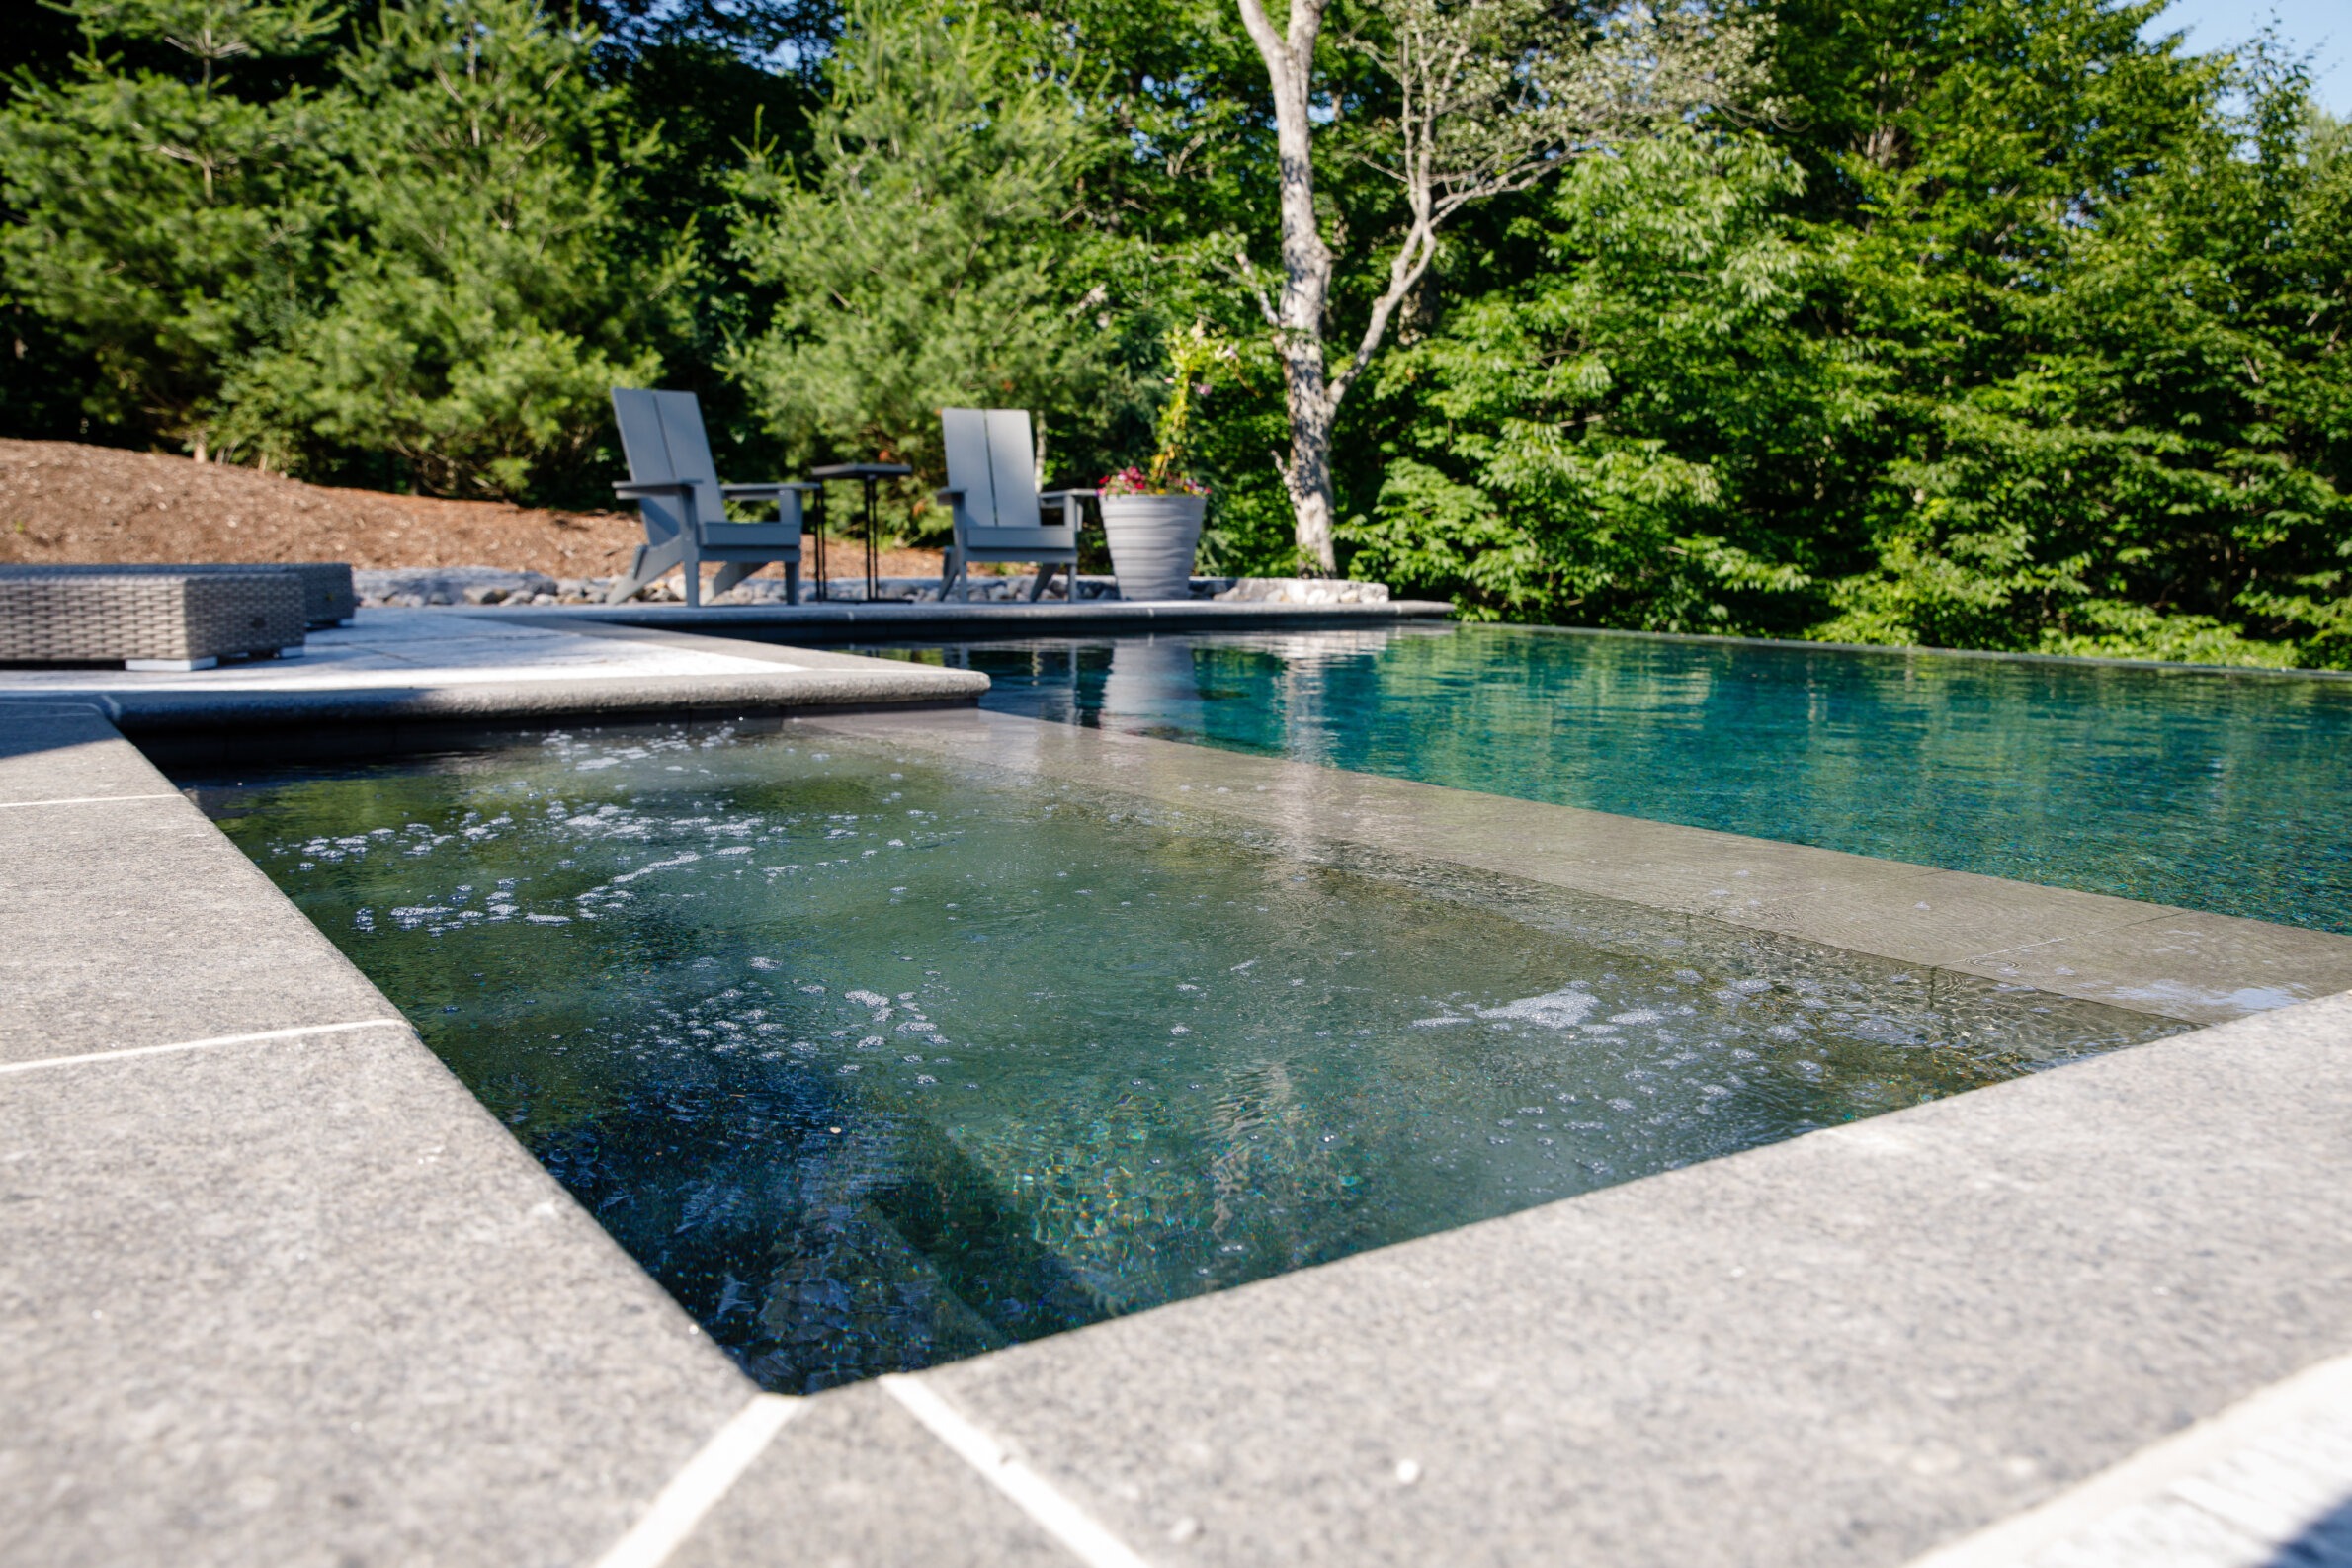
(1491, 95)
(1297, 313)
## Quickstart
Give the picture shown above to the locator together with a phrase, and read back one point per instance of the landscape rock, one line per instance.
(1306, 591)
(449, 585)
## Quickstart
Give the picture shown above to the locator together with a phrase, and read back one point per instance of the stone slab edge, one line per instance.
(848, 622)
(144, 712)
(1837, 1351)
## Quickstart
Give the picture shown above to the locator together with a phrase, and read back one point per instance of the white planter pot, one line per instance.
(1152, 538)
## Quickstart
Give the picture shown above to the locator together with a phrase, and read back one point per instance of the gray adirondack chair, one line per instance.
(992, 487)
(675, 484)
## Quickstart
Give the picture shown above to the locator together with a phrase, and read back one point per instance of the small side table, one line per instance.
(870, 474)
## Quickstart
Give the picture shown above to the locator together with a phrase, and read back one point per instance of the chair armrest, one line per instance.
(946, 495)
(1057, 495)
(630, 490)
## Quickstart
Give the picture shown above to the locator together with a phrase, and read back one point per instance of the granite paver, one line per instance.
(855, 1480)
(134, 923)
(306, 1301)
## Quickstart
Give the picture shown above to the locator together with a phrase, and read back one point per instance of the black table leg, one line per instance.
(872, 580)
(820, 543)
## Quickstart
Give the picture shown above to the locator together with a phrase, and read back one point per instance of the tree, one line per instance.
(1487, 97)
(926, 259)
(2020, 331)
(166, 224)
(486, 289)
(1604, 441)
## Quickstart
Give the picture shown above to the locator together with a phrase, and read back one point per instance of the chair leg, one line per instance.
(1036, 584)
(644, 568)
(791, 582)
(730, 574)
(950, 572)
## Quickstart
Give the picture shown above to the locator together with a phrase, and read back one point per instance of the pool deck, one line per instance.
(274, 1287)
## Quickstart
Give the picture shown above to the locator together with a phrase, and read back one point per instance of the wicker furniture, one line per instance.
(148, 618)
(328, 597)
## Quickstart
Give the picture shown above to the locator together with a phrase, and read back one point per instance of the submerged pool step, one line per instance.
(818, 1239)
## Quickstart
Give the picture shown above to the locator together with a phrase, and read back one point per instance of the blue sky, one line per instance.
(2322, 27)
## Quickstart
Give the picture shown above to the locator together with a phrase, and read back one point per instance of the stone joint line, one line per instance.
(262, 1036)
(695, 1490)
(1031, 1492)
(88, 800)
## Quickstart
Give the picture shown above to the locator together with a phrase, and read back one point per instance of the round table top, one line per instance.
(860, 471)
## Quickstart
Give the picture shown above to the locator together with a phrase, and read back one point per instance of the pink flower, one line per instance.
(1134, 482)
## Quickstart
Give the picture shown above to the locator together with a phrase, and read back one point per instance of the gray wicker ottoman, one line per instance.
(328, 597)
(146, 619)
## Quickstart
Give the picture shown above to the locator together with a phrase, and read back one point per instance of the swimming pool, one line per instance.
(2215, 791)
(876, 1061)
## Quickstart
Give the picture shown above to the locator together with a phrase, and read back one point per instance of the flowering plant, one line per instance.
(1132, 480)
(1190, 358)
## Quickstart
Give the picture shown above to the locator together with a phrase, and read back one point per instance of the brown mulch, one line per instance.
(64, 502)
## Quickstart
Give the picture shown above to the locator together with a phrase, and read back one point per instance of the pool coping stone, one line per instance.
(859, 621)
(273, 1286)
(1844, 1349)
(253, 703)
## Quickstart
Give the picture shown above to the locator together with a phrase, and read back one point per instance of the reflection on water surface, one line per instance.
(875, 1063)
(2228, 792)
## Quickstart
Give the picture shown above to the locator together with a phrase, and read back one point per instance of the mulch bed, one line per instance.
(64, 502)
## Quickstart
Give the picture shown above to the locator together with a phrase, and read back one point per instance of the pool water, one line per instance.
(2223, 792)
(876, 1063)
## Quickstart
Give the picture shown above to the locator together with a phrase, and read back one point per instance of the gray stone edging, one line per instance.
(852, 622)
(277, 1288)
(1840, 1350)
(142, 713)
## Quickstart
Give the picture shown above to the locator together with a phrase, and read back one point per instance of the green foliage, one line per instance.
(924, 255)
(486, 292)
(2023, 338)
(1582, 446)
(164, 224)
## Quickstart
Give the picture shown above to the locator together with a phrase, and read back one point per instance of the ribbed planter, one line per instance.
(1152, 538)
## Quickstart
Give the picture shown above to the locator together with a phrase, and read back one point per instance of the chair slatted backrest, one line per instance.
(992, 458)
(661, 434)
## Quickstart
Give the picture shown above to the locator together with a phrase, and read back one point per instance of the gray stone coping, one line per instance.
(861, 622)
(438, 669)
(2149, 957)
(274, 1289)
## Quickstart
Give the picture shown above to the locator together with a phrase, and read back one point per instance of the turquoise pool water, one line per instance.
(875, 1062)
(2228, 793)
